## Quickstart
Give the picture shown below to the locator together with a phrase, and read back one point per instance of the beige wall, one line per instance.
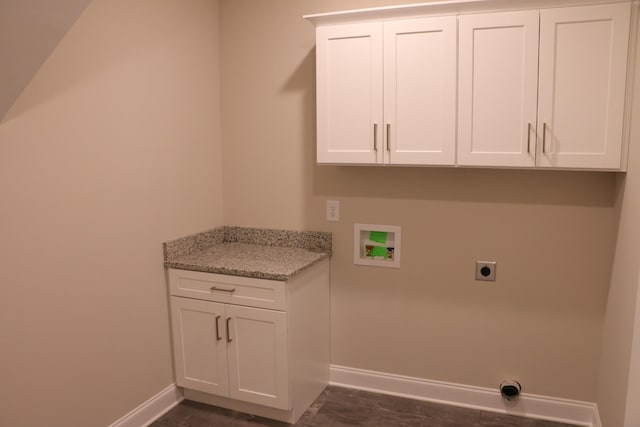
(552, 233)
(29, 31)
(619, 382)
(113, 148)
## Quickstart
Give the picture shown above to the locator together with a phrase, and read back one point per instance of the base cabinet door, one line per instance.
(200, 353)
(231, 351)
(257, 356)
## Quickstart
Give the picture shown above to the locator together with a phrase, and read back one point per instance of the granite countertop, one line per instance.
(249, 252)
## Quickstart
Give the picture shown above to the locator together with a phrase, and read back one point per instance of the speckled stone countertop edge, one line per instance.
(254, 274)
(203, 251)
(320, 241)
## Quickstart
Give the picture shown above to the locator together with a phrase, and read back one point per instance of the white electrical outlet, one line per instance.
(333, 210)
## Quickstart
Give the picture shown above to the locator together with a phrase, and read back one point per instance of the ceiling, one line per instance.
(29, 31)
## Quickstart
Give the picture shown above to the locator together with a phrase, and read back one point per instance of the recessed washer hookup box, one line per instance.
(377, 245)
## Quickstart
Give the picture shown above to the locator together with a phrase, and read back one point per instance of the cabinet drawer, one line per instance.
(228, 289)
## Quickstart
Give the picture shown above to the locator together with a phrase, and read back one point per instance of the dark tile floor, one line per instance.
(341, 407)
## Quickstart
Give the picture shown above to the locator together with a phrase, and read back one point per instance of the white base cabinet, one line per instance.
(259, 346)
(231, 350)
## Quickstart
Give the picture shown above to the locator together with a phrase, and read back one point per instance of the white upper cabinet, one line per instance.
(498, 88)
(386, 92)
(569, 114)
(420, 91)
(465, 83)
(583, 65)
(349, 93)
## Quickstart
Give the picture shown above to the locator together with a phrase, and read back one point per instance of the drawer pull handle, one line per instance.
(228, 334)
(544, 137)
(218, 337)
(213, 288)
(529, 138)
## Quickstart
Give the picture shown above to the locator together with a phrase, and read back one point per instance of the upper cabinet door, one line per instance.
(583, 64)
(419, 91)
(349, 93)
(498, 66)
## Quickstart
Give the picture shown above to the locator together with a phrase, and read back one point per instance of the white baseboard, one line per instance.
(152, 409)
(596, 417)
(529, 405)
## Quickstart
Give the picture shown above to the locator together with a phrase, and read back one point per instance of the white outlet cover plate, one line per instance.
(333, 210)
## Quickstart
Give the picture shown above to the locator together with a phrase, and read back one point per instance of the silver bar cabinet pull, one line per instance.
(228, 334)
(528, 138)
(544, 137)
(375, 137)
(218, 337)
(213, 288)
(388, 137)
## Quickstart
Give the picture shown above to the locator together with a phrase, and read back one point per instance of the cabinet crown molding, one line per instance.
(454, 7)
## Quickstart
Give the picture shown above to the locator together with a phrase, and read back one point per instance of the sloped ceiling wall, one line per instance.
(29, 31)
